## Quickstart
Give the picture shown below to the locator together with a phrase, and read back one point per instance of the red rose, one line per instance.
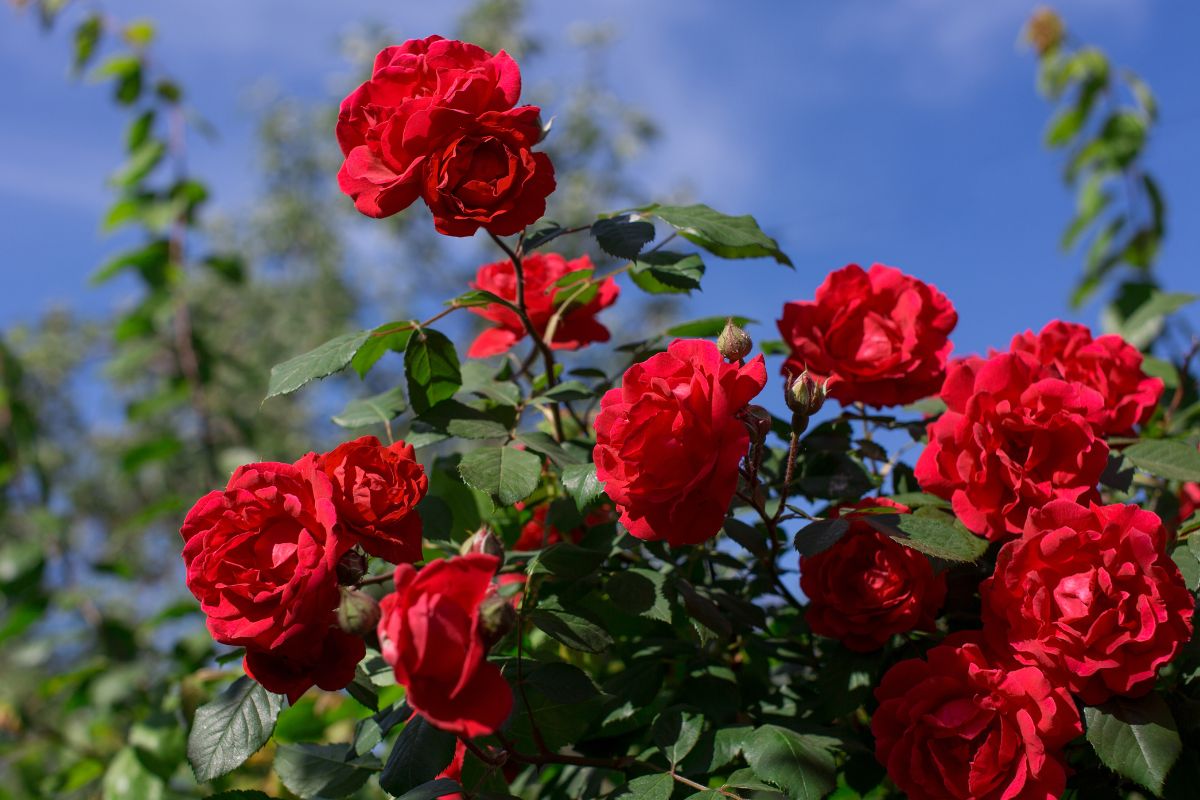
(960, 726)
(1109, 364)
(867, 586)
(880, 337)
(1089, 595)
(430, 633)
(261, 558)
(668, 442)
(1189, 502)
(437, 121)
(376, 490)
(576, 327)
(536, 534)
(454, 770)
(1010, 442)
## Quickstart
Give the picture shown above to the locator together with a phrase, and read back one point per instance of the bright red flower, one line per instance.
(1089, 595)
(455, 768)
(262, 558)
(866, 587)
(881, 336)
(1108, 364)
(437, 121)
(1011, 441)
(576, 327)
(376, 490)
(430, 633)
(669, 441)
(959, 725)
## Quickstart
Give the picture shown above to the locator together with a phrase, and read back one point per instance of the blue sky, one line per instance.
(900, 131)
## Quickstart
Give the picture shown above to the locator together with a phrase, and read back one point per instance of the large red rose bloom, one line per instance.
(668, 442)
(1089, 595)
(866, 587)
(1010, 441)
(959, 725)
(881, 337)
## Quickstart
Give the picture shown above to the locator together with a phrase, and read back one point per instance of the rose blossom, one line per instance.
(376, 490)
(881, 337)
(1089, 595)
(669, 440)
(1010, 441)
(1108, 364)
(576, 327)
(261, 558)
(431, 635)
(961, 726)
(866, 587)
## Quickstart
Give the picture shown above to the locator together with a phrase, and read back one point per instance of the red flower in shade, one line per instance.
(960, 726)
(668, 442)
(1189, 502)
(437, 121)
(430, 633)
(1108, 364)
(880, 337)
(536, 534)
(1009, 442)
(866, 587)
(1089, 595)
(576, 327)
(261, 558)
(376, 490)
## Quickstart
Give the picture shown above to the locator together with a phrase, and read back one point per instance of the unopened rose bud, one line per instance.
(351, 568)
(758, 420)
(804, 395)
(496, 617)
(358, 613)
(483, 541)
(1045, 30)
(734, 343)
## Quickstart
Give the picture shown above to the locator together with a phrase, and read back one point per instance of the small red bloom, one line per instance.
(1010, 441)
(1189, 502)
(1089, 595)
(959, 725)
(536, 534)
(430, 633)
(576, 327)
(376, 490)
(1108, 364)
(867, 587)
(669, 441)
(881, 337)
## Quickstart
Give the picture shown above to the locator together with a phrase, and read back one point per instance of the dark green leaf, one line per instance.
(432, 790)
(565, 392)
(1144, 325)
(726, 236)
(622, 236)
(1136, 738)
(1189, 566)
(231, 728)
(565, 561)
(506, 473)
(676, 732)
(803, 765)
(431, 365)
(150, 261)
(140, 163)
(322, 770)
(819, 536)
(707, 328)
(748, 536)
(666, 272)
(323, 361)
(1166, 458)
(573, 631)
(937, 535)
(419, 755)
(380, 341)
(545, 444)
(581, 483)
(87, 36)
(562, 683)
(373, 410)
(465, 421)
(641, 592)
(648, 787)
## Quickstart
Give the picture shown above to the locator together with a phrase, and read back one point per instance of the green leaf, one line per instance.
(1135, 738)
(565, 561)
(707, 328)
(431, 365)
(640, 592)
(240, 794)
(506, 473)
(383, 407)
(1065, 125)
(649, 787)
(331, 357)
(1144, 325)
(565, 392)
(819, 536)
(1166, 458)
(622, 236)
(721, 234)
(581, 483)
(676, 732)
(231, 728)
(1189, 566)
(432, 790)
(663, 272)
(934, 535)
(803, 765)
(452, 418)
(562, 683)
(322, 770)
(127, 778)
(140, 163)
(544, 443)
(573, 631)
(380, 341)
(150, 261)
(419, 754)
(87, 36)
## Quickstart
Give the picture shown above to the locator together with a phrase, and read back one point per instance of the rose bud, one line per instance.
(804, 395)
(758, 422)
(351, 568)
(483, 541)
(358, 613)
(734, 343)
(496, 617)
